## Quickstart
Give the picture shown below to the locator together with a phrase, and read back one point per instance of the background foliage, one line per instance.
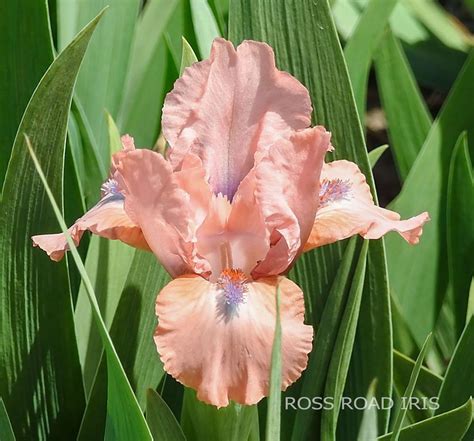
(77, 360)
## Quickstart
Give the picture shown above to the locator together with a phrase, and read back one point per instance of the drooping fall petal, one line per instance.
(286, 179)
(347, 208)
(229, 106)
(222, 349)
(107, 219)
(163, 210)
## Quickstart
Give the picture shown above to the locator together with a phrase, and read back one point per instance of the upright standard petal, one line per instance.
(106, 219)
(227, 107)
(220, 344)
(286, 180)
(347, 208)
(162, 209)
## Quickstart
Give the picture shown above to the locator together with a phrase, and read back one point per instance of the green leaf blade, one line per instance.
(163, 424)
(32, 344)
(272, 432)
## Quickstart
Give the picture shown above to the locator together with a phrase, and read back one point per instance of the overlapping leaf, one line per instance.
(418, 274)
(39, 368)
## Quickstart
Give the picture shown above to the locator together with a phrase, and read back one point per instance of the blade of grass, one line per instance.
(449, 426)
(375, 154)
(162, 422)
(316, 372)
(400, 416)
(450, 32)
(458, 384)
(272, 432)
(107, 264)
(133, 342)
(205, 26)
(106, 63)
(459, 224)
(368, 428)
(26, 49)
(360, 48)
(428, 383)
(6, 429)
(339, 365)
(408, 118)
(115, 143)
(203, 422)
(150, 75)
(188, 56)
(124, 416)
(423, 268)
(36, 349)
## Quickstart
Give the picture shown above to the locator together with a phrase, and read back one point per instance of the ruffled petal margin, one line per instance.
(286, 180)
(224, 352)
(347, 208)
(157, 200)
(229, 106)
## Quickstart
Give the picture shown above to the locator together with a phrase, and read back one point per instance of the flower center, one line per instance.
(110, 186)
(333, 190)
(233, 283)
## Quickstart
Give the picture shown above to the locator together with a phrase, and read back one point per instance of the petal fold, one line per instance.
(347, 208)
(224, 353)
(166, 213)
(286, 180)
(229, 106)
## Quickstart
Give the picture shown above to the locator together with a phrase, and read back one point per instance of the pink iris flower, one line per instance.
(244, 190)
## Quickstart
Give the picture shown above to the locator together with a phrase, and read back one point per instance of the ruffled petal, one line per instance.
(162, 209)
(228, 106)
(286, 180)
(347, 208)
(224, 352)
(106, 219)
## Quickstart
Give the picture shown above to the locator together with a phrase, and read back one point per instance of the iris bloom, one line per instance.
(244, 190)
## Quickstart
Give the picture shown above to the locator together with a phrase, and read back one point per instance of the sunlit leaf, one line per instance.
(368, 427)
(105, 65)
(449, 426)
(272, 432)
(360, 48)
(188, 56)
(37, 341)
(375, 154)
(132, 329)
(205, 26)
(25, 45)
(408, 118)
(124, 417)
(148, 79)
(422, 269)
